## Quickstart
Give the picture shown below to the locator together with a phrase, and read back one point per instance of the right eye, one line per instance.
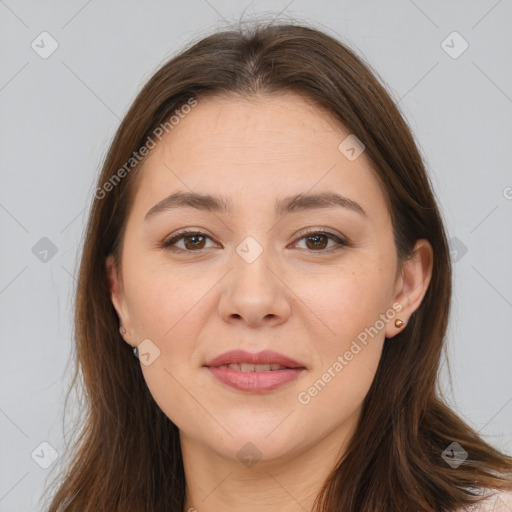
(193, 241)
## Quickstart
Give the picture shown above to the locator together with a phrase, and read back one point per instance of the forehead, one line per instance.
(259, 125)
(256, 149)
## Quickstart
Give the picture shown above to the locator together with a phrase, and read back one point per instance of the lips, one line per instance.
(254, 373)
(248, 361)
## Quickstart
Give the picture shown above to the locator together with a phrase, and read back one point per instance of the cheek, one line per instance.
(349, 338)
(162, 299)
(336, 390)
(163, 309)
(346, 301)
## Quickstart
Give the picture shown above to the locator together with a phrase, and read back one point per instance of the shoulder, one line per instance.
(496, 501)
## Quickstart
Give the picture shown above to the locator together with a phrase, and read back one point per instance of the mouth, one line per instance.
(255, 373)
(248, 367)
(264, 361)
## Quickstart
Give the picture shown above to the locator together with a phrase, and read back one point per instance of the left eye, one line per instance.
(194, 241)
(320, 240)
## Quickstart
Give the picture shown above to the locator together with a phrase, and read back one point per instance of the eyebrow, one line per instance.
(215, 203)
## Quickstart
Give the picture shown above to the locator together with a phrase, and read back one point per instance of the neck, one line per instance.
(289, 483)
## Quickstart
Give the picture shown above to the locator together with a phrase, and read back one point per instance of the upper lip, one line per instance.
(264, 357)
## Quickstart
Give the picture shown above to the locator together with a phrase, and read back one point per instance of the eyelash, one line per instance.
(167, 244)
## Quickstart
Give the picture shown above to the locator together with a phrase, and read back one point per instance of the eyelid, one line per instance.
(322, 231)
(340, 240)
(166, 244)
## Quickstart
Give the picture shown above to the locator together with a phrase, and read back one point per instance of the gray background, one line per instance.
(58, 115)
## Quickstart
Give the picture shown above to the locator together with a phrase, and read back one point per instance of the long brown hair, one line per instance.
(128, 455)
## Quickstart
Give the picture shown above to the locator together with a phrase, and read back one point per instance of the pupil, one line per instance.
(316, 238)
(194, 237)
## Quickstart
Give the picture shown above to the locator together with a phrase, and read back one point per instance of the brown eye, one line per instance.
(318, 241)
(193, 241)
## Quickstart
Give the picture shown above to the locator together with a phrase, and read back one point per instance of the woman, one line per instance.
(265, 240)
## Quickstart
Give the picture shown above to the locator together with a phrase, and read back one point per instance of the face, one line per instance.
(307, 280)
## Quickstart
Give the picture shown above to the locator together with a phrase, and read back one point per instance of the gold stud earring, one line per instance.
(399, 322)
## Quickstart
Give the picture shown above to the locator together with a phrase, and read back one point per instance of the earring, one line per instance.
(136, 352)
(122, 330)
(399, 322)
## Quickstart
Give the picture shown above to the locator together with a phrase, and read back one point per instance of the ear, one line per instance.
(117, 296)
(412, 284)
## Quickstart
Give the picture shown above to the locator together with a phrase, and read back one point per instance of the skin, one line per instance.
(308, 303)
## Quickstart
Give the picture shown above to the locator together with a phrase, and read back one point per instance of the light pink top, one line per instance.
(498, 501)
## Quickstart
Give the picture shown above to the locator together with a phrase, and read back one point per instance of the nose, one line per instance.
(254, 294)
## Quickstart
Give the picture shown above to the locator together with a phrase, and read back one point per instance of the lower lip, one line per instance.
(255, 382)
